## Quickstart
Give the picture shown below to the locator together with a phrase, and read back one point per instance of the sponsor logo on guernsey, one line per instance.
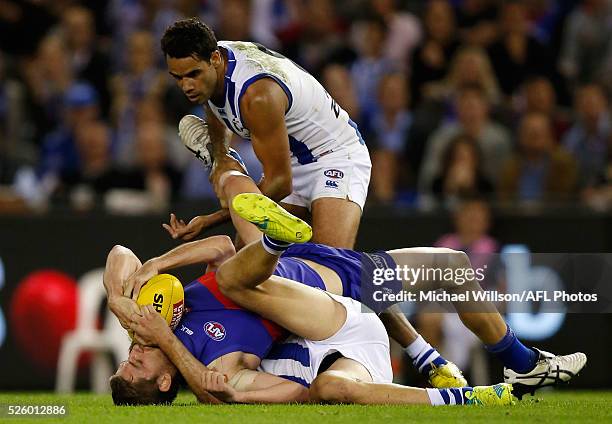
(177, 314)
(184, 329)
(215, 330)
(379, 261)
(331, 184)
(334, 173)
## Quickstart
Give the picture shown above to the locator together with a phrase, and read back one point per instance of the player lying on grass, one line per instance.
(528, 368)
(247, 278)
(347, 263)
(214, 331)
(218, 347)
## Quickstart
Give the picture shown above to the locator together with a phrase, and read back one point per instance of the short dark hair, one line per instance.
(142, 392)
(189, 37)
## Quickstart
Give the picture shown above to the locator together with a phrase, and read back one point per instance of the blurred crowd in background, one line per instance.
(507, 101)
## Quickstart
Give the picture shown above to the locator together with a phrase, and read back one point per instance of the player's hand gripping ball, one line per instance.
(165, 293)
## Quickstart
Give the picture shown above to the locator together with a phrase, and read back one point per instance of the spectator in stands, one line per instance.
(473, 120)
(150, 185)
(469, 66)
(404, 35)
(538, 95)
(389, 136)
(234, 21)
(84, 185)
(141, 80)
(13, 146)
(370, 66)
(317, 37)
(431, 59)
(472, 220)
(589, 139)
(160, 179)
(128, 17)
(517, 55)
(48, 76)
(150, 110)
(338, 82)
(89, 62)
(599, 195)
(461, 172)
(541, 170)
(587, 43)
(477, 20)
(59, 153)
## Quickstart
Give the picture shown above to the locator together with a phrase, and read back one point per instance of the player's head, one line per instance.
(193, 58)
(147, 377)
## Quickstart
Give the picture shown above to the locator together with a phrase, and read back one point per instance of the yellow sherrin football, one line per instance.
(165, 293)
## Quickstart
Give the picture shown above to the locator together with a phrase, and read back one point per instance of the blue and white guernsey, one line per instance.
(315, 123)
(290, 360)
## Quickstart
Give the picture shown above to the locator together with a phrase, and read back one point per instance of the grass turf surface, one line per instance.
(550, 407)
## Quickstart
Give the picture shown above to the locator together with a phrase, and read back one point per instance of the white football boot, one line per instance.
(550, 370)
(193, 132)
(194, 135)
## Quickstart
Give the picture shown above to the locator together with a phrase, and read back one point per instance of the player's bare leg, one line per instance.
(335, 222)
(299, 211)
(527, 368)
(233, 183)
(348, 381)
(274, 297)
(481, 318)
(287, 303)
(439, 372)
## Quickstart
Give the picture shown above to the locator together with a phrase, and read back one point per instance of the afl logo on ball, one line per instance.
(214, 330)
(334, 173)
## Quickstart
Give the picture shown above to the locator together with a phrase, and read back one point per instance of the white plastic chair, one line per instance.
(112, 338)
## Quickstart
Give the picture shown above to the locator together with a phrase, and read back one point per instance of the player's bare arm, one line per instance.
(250, 386)
(120, 264)
(212, 251)
(263, 108)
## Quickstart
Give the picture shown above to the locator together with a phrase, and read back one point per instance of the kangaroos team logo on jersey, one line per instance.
(215, 330)
(334, 173)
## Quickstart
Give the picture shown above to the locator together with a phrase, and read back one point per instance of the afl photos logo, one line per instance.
(214, 330)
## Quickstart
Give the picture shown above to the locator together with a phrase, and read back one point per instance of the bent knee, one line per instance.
(332, 388)
(227, 283)
(119, 250)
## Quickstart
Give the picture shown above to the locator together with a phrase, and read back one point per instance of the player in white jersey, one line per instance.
(314, 160)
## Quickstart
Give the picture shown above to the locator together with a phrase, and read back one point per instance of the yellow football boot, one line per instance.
(271, 218)
(446, 376)
(497, 395)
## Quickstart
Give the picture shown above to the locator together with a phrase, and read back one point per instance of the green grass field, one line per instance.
(551, 407)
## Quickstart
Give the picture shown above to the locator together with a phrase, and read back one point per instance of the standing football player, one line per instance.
(314, 159)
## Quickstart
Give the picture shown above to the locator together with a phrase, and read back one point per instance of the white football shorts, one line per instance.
(341, 174)
(362, 338)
